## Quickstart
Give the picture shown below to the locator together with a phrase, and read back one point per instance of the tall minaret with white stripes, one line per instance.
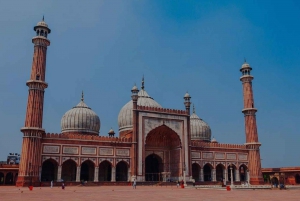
(249, 111)
(32, 131)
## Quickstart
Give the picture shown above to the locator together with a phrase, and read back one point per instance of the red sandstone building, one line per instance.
(154, 143)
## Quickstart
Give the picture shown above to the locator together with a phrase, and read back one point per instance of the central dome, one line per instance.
(80, 119)
(125, 115)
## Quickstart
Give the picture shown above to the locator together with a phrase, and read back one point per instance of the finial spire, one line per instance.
(194, 109)
(82, 96)
(143, 82)
(43, 17)
(245, 60)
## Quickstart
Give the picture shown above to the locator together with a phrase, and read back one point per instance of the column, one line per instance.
(224, 176)
(40, 173)
(248, 177)
(231, 177)
(113, 174)
(78, 174)
(237, 175)
(129, 175)
(96, 174)
(201, 174)
(213, 173)
(59, 173)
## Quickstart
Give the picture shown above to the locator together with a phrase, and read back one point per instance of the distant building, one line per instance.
(13, 158)
(9, 169)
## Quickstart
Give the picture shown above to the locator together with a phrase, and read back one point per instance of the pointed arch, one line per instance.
(162, 136)
(122, 171)
(49, 170)
(220, 172)
(87, 171)
(196, 171)
(69, 170)
(105, 169)
(207, 168)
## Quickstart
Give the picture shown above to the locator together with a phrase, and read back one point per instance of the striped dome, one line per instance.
(199, 129)
(81, 119)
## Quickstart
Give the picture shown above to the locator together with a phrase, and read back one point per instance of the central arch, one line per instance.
(165, 145)
(153, 168)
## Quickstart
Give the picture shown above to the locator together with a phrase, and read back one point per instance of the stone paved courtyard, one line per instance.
(143, 193)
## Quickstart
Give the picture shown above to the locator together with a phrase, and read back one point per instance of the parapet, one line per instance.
(86, 137)
(162, 110)
(202, 144)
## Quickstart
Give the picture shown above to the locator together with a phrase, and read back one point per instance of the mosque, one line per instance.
(154, 143)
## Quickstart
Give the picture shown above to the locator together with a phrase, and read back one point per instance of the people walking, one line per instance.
(51, 183)
(178, 183)
(63, 186)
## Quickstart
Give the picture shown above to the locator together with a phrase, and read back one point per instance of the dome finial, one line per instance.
(245, 61)
(43, 18)
(194, 109)
(143, 82)
(82, 96)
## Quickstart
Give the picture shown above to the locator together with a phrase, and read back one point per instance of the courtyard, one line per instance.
(144, 193)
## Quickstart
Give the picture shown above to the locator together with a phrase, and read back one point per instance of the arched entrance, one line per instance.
(207, 172)
(196, 171)
(87, 171)
(243, 172)
(220, 172)
(297, 179)
(275, 181)
(153, 168)
(165, 144)
(1, 178)
(69, 169)
(49, 170)
(121, 171)
(229, 172)
(9, 179)
(104, 171)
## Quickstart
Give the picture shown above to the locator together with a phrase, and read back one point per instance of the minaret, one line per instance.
(134, 162)
(30, 163)
(187, 165)
(249, 111)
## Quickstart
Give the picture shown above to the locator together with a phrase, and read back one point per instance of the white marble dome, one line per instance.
(125, 115)
(80, 119)
(199, 129)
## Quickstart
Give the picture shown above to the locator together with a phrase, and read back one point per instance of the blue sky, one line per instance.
(104, 47)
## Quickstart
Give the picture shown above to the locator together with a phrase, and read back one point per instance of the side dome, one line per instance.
(80, 119)
(125, 114)
(199, 129)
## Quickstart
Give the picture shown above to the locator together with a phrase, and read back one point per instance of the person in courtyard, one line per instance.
(177, 183)
(51, 183)
(63, 186)
(134, 184)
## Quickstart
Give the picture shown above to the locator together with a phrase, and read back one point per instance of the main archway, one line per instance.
(153, 168)
(49, 170)
(165, 145)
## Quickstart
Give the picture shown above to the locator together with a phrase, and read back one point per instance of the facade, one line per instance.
(154, 143)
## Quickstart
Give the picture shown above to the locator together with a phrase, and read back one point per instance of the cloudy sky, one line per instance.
(104, 47)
